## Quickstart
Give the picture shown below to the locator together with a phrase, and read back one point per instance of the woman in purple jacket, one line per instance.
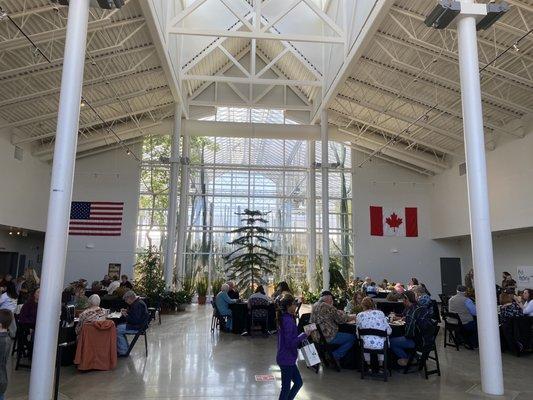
(288, 341)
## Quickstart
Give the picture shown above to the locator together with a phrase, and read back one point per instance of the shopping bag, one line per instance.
(310, 354)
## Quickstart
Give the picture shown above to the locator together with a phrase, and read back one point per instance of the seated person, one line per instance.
(125, 283)
(96, 286)
(114, 285)
(366, 283)
(79, 300)
(526, 302)
(466, 309)
(9, 297)
(372, 290)
(418, 325)
(412, 283)
(259, 298)
(328, 318)
(232, 292)
(409, 302)
(509, 309)
(370, 318)
(106, 281)
(136, 316)
(92, 313)
(28, 312)
(354, 306)
(508, 283)
(222, 302)
(282, 287)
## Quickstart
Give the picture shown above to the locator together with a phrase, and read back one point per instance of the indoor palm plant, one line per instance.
(201, 289)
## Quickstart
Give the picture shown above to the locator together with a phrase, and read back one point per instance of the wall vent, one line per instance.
(462, 169)
(19, 153)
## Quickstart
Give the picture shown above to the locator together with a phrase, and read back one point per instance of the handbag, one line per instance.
(310, 354)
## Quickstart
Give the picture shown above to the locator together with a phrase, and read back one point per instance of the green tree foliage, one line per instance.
(253, 259)
(149, 280)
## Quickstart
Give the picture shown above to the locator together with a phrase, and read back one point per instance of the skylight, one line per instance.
(255, 115)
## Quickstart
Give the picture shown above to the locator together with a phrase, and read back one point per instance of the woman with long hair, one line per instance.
(288, 341)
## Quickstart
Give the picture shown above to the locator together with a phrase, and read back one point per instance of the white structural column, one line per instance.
(478, 198)
(55, 246)
(354, 184)
(311, 215)
(184, 206)
(324, 136)
(173, 199)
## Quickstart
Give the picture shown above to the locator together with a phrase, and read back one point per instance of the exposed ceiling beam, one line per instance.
(416, 99)
(60, 33)
(253, 80)
(405, 136)
(90, 84)
(401, 117)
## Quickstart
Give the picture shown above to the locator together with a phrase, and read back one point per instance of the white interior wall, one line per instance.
(25, 186)
(397, 258)
(510, 177)
(109, 176)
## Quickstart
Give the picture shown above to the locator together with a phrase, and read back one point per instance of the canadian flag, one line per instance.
(394, 221)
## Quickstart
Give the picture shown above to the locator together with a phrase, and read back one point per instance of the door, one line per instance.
(450, 274)
(8, 262)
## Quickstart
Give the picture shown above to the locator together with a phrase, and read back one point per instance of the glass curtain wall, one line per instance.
(229, 175)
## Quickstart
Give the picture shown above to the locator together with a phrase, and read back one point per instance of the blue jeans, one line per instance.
(345, 342)
(122, 341)
(290, 374)
(470, 331)
(399, 344)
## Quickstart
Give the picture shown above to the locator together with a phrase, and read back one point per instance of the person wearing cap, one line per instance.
(466, 309)
(328, 318)
(136, 317)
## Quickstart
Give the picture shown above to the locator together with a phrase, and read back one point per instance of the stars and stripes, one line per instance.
(96, 218)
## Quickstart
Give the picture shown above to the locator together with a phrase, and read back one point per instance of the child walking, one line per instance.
(6, 317)
(288, 341)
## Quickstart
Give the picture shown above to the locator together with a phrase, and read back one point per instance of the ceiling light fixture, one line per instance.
(515, 47)
(3, 15)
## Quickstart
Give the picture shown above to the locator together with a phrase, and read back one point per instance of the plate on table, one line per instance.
(115, 315)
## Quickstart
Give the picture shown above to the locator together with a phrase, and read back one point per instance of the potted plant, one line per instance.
(182, 298)
(201, 289)
(149, 280)
(168, 301)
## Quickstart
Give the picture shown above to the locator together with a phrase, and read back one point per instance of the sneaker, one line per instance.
(402, 362)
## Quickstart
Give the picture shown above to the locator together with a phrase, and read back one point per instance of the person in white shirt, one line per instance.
(113, 285)
(370, 318)
(8, 299)
(526, 301)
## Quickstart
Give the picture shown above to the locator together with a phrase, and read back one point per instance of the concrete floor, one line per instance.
(186, 361)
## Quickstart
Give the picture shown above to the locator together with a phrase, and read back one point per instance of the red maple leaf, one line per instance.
(393, 221)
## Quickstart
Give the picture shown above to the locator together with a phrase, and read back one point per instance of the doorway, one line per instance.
(450, 275)
(8, 262)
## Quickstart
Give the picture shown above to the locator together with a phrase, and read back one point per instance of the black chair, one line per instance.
(303, 321)
(325, 350)
(24, 345)
(444, 299)
(422, 352)
(453, 328)
(259, 314)
(136, 335)
(154, 309)
(361, 333)
(436, 311)
(297, 313)
(217, 320)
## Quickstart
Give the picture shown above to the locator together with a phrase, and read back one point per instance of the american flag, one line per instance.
(96, 218)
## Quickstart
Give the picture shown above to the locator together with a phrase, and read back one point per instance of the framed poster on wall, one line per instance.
(114, 269)
(524, 277)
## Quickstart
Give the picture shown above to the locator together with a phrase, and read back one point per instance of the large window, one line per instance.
(228, 175)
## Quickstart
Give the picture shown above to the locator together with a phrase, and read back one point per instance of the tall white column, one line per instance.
(354, 184)
(478, 199)
(173, 199)
(184, 206)
(311, 215)
(55, 246)
(324, 136)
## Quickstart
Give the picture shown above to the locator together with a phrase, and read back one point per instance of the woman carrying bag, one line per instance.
(288, 342)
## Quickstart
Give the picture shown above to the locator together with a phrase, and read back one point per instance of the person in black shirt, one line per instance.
(125, 282)
(232, 292)
(136, 317)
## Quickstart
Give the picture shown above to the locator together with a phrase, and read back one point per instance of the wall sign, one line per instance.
(524, 277)
(114, 269)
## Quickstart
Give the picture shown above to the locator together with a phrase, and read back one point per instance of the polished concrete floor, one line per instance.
(186, 361)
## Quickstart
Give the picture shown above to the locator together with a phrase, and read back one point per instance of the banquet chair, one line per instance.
(136, 335)
(361, 333)
(423, 353)
(258, 314)
(24, 345)
(452, 329)
(325, 350)
(303, 321)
